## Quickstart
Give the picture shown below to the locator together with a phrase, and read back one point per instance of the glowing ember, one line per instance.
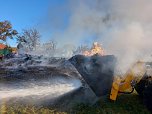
(96, 49)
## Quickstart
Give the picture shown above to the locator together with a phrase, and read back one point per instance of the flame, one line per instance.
(96, 49)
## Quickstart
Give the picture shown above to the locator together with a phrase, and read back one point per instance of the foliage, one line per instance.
(6, 30)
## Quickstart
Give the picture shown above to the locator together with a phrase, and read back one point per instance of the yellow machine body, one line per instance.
(126, 82)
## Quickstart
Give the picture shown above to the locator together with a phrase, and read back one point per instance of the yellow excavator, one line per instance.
(138, 78)
(99, 73)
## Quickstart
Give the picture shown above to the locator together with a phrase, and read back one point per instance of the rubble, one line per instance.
(92, 75)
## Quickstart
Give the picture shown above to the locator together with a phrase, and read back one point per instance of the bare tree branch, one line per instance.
(31, 37)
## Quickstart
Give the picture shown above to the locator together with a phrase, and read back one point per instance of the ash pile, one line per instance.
(56, 82)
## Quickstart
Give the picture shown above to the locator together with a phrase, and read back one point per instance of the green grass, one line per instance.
(125, 104)
(22, 109)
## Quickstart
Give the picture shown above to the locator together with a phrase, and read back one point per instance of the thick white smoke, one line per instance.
(123, 27)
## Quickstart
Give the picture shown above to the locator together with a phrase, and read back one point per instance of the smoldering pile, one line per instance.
(55, 81)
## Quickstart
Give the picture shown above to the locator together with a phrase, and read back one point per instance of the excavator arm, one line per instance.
(128, 81)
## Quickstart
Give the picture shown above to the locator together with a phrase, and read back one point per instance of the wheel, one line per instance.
(147, 96)
(140, 87)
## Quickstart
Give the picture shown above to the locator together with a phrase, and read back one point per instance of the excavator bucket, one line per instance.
(97, 71)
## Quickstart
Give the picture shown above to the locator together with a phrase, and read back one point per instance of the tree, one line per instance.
(67, 50)
(30, 38)
(81, 49)
(6, 30)
(50, 47)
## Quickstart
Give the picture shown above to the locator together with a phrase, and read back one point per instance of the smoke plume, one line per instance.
(123, 27)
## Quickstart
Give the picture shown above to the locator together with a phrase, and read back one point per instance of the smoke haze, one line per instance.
(123, 27)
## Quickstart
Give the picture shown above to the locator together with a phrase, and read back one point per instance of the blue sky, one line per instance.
(24, 14)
